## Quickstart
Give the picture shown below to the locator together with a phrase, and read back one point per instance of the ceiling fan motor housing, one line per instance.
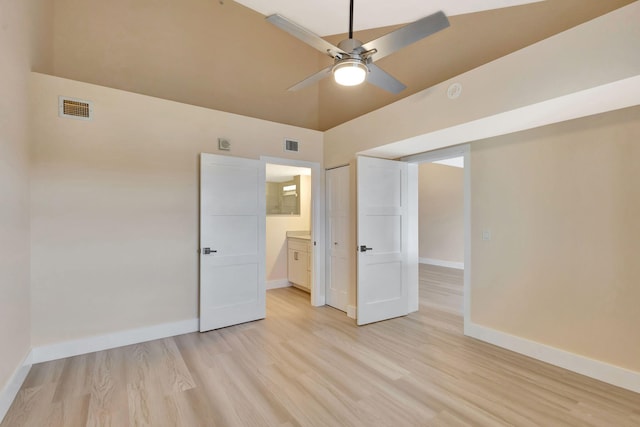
(350, 45)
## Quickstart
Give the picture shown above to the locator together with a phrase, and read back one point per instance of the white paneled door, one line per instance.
(232, 241)
(382, 285)
(340, 246)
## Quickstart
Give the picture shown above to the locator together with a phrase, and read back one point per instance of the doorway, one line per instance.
(294, 221)
(412, 238)
(444, 216)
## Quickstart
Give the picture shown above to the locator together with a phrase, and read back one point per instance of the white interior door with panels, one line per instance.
(232, 241)
(383, 236)
(339, 246)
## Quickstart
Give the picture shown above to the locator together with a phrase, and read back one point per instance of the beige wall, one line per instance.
(562, 203)
(277, 227)
(23, 33)
(441, 212)
(115, 205)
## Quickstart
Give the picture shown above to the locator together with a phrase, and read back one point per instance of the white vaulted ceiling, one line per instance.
(329, 17)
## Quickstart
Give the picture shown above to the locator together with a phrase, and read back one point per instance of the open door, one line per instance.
(232, 241)
(383, 231)
(339, 266)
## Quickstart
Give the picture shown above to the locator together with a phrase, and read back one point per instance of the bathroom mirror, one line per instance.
(283, 197)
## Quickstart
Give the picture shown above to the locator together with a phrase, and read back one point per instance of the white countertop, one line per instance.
(303, 235)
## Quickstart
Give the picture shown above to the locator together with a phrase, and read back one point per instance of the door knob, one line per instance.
(364, 248)
(208, 251)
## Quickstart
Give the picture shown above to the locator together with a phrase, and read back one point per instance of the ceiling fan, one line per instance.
(353, 60)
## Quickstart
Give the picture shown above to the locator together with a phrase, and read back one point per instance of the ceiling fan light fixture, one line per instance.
(350, 72)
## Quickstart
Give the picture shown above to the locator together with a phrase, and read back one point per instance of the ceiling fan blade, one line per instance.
(407, 35)
(305, 35)
(314, 78)
(378, 77)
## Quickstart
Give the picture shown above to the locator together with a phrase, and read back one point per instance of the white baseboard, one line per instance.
(602, 371)
(351, 311)
(277, 284)
(108, 341)
(442, 263)
(10, 390)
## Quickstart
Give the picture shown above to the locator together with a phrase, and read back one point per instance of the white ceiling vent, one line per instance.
(291, 145)
(75, 108)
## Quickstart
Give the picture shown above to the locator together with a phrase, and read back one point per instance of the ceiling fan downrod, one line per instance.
(351, 20)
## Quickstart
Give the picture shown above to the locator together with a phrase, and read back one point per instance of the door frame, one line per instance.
(463, 151)
(318, 296)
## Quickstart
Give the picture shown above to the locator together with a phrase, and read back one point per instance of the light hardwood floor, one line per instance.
(313, 366)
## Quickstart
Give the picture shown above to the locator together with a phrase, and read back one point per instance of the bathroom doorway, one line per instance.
(291, 227)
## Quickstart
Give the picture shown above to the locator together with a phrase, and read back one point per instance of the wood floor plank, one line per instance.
(75, 376)
(261, 399)
(306, 366)
(108, 404)
(42, 373)
(305, 407)
(73, 411)
(32, 406)
(175, 374)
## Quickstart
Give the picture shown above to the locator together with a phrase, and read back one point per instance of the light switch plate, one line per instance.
(486, 234)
